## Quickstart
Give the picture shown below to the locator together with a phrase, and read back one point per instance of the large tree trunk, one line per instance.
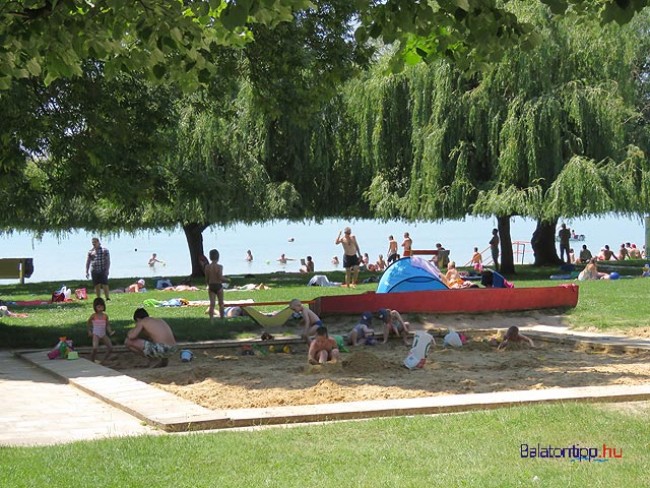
(507, 260)
(543, 243)
(194, 237)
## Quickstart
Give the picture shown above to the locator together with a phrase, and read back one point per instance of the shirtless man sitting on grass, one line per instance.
(158, 341)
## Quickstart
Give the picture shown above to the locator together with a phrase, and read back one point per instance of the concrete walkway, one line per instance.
(608, 341)
(45, 402)
(37, 408)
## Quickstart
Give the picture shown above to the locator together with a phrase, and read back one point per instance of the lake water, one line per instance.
(63, 259)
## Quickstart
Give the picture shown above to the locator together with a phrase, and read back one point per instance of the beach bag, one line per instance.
(57, 296)
(62, 295)
(417, 357)
(487, 278)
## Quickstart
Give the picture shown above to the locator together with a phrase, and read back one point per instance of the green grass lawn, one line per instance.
(46, 323)
(481, 449)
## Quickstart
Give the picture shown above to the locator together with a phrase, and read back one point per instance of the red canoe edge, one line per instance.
(472, 300)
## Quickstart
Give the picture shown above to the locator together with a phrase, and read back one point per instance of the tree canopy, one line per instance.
(169, 40)
(175, 40)
(97, 135)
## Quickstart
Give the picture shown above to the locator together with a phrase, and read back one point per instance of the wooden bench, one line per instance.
(443, 255)
(16, 268)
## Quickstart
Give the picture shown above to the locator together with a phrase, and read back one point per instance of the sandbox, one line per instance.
(223, 378)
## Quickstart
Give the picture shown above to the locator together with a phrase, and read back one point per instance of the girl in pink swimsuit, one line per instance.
(99, 329)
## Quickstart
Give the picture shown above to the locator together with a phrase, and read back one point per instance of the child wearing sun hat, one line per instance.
(394, 323)
(362, 332)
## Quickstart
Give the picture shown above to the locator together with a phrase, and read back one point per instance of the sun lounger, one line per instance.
(275, 320)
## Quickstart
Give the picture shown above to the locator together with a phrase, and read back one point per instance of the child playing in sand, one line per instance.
(99, 329)
(393, 322)
(323, 348)
(362, 331)
(513, 335)
(215, 280)
(311, 322)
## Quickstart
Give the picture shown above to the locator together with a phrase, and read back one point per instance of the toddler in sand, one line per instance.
(362, 333)
(99, 329)
(311, 322)
(513, 335)
(323, 348)
(393, 322)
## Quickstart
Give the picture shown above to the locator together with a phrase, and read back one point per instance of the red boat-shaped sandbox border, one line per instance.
(472, 300)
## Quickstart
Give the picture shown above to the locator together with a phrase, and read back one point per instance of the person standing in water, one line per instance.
(153, 260)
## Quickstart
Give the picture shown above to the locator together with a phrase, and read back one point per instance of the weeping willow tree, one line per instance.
(258, 142)
(294, 71)
(569, 103)
(216, 176)
(255, 144)
(379, 107)
(506, 141)
(263, 146)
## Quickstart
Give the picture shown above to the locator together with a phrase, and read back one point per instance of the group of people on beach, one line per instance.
(154, 339)
(353, 260)
(627, 250)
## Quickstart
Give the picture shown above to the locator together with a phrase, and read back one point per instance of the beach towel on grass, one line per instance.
(321, 280)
